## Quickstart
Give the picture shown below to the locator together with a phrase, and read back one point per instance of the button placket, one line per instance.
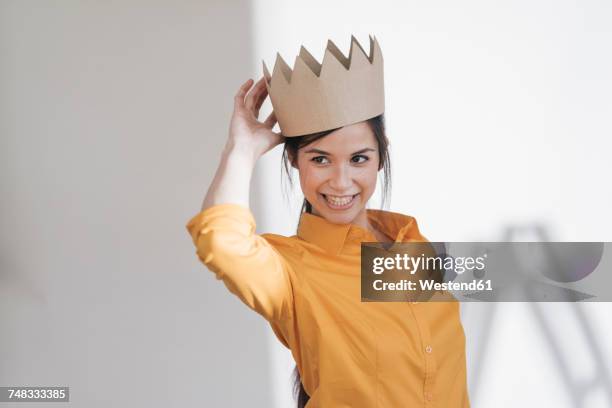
(430, 362)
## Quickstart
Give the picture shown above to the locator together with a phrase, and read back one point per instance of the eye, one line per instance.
(320, 159)
(360, 158)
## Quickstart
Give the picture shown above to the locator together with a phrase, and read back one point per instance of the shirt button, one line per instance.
(428, 349)
(428, 396)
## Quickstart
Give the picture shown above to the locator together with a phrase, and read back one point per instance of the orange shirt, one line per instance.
(349, 353)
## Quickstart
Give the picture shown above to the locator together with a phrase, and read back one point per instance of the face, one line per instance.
(338, 173)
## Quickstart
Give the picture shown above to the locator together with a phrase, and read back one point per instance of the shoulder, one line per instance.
(411, 230)
(292, 249)
(397, 224)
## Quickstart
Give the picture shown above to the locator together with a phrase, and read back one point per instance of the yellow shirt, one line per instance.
(349, 353)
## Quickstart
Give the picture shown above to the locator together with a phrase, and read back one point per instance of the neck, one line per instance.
(362, 221)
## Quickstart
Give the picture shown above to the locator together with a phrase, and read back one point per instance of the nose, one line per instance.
(341, 180)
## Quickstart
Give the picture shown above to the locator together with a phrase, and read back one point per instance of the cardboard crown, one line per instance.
(340, 91)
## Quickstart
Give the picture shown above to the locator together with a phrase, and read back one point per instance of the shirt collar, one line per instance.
(333, 237)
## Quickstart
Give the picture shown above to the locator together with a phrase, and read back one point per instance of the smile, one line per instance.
(339, 202)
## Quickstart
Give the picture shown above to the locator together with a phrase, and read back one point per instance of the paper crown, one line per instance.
(340, 91)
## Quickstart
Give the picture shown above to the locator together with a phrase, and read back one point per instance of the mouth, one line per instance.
(339, 202)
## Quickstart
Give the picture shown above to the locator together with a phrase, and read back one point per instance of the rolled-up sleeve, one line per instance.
(251, 268)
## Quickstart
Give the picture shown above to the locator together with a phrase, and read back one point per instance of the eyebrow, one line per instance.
(318, 151)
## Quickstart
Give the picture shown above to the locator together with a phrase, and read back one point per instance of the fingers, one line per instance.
(253, 100)
(239, 97)
(254, 95)
(260, 100)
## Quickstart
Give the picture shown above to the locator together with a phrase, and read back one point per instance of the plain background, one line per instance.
(112, 118)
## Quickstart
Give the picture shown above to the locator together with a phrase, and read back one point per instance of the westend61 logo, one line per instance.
(486, 271)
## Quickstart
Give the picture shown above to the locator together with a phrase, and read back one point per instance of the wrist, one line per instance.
(240, 153)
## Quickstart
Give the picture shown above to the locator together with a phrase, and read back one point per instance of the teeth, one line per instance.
(338, 200)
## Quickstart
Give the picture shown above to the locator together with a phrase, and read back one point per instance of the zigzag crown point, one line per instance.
(281, 68)
(374, 48)
(337, 53)
(302, 69)
(310, 61)
(266, 72)
(361, 52)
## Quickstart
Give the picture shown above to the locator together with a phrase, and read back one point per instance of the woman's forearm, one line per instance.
(232, 180)
(248, 140)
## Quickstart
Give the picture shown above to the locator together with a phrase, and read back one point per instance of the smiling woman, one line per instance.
(338, 169)
(329, 165)
(307, 286)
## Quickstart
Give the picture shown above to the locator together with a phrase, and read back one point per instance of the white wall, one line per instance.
(499, 116)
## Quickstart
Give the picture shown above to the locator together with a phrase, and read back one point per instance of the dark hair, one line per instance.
(290, 150)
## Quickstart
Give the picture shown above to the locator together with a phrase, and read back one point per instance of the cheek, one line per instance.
(310, 180)
(367, 178)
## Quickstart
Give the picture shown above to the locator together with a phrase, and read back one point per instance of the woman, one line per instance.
(348, 353)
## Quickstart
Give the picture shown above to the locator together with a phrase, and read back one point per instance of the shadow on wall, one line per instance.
(564, 328)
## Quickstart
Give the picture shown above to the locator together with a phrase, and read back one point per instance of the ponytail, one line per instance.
(299, 393)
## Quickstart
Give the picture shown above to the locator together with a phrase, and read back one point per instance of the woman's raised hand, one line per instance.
(246, 132)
